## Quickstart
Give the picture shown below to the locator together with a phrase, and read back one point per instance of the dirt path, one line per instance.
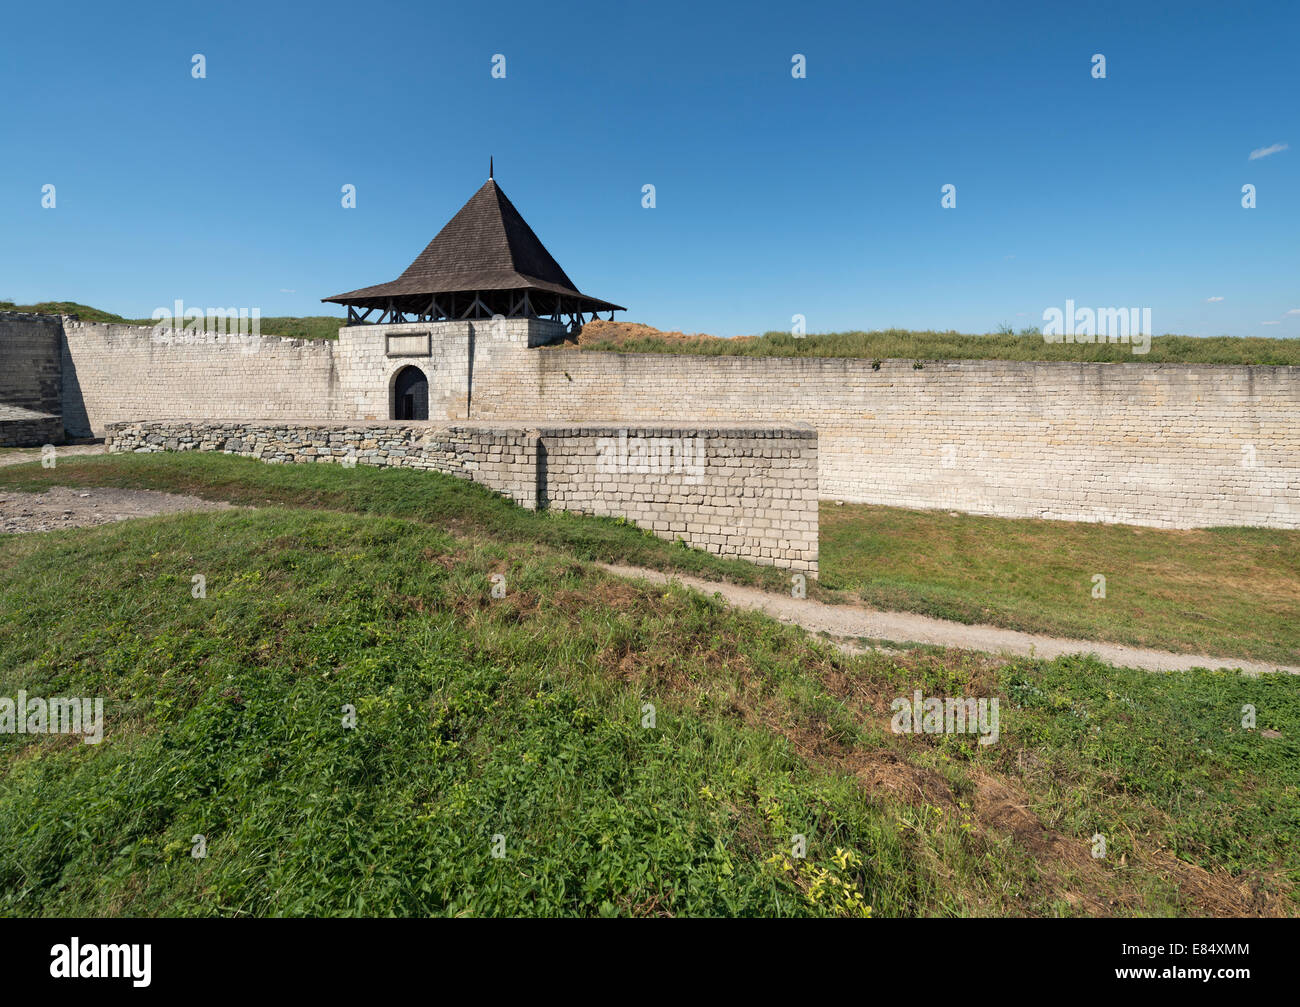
(61, 507)
(850, 622)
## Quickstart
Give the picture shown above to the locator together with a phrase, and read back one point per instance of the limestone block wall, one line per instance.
(744, 491)
(1165, 445)
(30, 379)
(29, 361)
(1172, 445)
(735, 490)
(121, 372)
(457, 358)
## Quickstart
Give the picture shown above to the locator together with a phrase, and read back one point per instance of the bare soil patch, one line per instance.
(62, 507)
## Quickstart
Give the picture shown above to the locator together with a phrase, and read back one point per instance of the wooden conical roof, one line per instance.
(486, 246)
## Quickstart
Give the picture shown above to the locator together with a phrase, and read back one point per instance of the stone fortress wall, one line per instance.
(1163, 445)
(120, 372)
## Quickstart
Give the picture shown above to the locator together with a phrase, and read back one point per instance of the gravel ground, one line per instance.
(61, 507)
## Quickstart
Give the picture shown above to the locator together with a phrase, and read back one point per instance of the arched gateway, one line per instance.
(410, 395)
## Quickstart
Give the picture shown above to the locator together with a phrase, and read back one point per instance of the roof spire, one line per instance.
(489, 167)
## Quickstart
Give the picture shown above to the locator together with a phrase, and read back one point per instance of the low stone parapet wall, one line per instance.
(503, 458)
(21, 427)
(746, 491)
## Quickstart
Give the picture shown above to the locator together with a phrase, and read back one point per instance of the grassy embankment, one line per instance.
(887, 344)
(902, 344)
(1232, 592)
(522, 717)
(306, 327)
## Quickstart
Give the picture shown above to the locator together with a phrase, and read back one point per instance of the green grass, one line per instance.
(83, 311)
(902, 344)
(522, 718)
(306, 327)
(885, 344)
(1233, 592)
(460, 507)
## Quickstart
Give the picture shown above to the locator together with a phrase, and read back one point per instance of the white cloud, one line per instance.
(1268, 323)
(284, 291)
(1294, 311)
(1211, 300)
(1255, 155)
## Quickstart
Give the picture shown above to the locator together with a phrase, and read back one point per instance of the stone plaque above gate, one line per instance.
(411, 344)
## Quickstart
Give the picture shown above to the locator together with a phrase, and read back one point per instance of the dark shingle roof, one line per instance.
(486, 246)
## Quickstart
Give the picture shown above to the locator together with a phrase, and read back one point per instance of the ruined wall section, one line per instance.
(30, 379)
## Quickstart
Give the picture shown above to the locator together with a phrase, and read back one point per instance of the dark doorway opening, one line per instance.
(411, 395)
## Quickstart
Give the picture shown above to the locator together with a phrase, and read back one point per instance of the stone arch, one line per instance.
(410, 394)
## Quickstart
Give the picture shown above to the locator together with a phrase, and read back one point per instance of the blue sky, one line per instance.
(775, 196)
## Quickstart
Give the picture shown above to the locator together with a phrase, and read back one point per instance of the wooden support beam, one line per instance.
(474, 308)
